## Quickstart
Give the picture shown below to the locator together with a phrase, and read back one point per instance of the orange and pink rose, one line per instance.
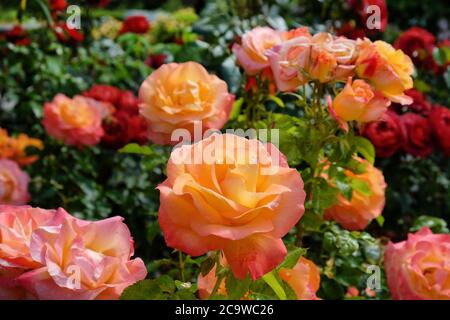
(419, 267)
(241, 201)
(13, 183)
(303, 278)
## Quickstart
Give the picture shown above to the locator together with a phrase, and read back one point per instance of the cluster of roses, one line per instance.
(13, 154)
(417, 131)
(103, 113)
(49, 254)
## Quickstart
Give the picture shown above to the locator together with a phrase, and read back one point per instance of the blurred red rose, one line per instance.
(128, 102)
(135, 24)
(18, 36)
(123, 128)
(416, 135)
(156, 60)
(440, 123)
(351, 31)
(361, 8)
(420, 104)
(385, 134)
(58, 5)
(103, 93)
(67, 35)
(417, 43)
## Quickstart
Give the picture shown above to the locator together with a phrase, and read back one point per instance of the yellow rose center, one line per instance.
(77, 115)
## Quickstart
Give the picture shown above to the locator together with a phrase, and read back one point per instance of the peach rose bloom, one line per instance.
(76, 121)
(290, 59)
(358, 101)
(251, 53)
(175, 96)
(13, 183)
(82, 260)
(387, 69)
(241, 199)
(331, 58)
(304, 279)
(17, 224)
(14, 148)
(419, 267)
(206, 283)
(363, 208)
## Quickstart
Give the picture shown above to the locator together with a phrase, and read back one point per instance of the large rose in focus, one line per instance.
(387, 69)
(13, 183)
(82, 260)
(355, 214)
(177, 95)
(417, 135)
(303, 278)
(251, 53)
(440, 123)
(385, 134)
(419, 268)
(76, 121)
(241, 199)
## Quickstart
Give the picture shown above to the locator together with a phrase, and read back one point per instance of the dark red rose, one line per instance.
(58, 5)
(156, 60)
(385, 134)
(123, 128)
(67, 35)
(416, 135)
(128, 102)
(440, 123)
(102, 92)
(420, 104)
(361, 9)
(418, 43)
(351, 31)
(135, 24)
(18, 36)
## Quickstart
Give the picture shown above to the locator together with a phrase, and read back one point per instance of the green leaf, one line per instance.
(380, 220)
(361, 186)
(292, 258)
(155, 289)
(207, 265)
(273, 282)
(137, 149)
(277, 100)
(365, 148)
(437, 225)
(236, 109)
(236, 288)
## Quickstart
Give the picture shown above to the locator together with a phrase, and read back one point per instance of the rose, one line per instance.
(82, 260)
(15, 148)
(387, 70)
(351, 31)
(13, 183)
(440, 123)
(419, 104)
(419, 267)
(128, 102)
(76, 121)
(416, 135)
(358, 101)
(303, 278)
(58, 5)
(289, 58)
(385, 134)
(135, 24)
(367, 202)
(177, 95)
(67, 35)
(417, 43)
(103, 93)
(18, 36)
(242, 199)
(155, 61)
(123, 128)
(251, 53)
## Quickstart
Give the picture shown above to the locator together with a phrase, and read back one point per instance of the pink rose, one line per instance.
(419, 267)
(76, 121)
(251, 53)
(13, 183)
(82, 260)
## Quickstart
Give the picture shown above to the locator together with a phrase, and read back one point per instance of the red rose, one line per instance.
(418, 43)
(58, 5)
(67, 35)
(156, 60)
(351, 31)
(361, 8)
(420, 104)
(440, 123)
(135, 24)
(416, 135)
(18, 36)
(123, 128)
(103, 93)
(385, 134)
(128, 102)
